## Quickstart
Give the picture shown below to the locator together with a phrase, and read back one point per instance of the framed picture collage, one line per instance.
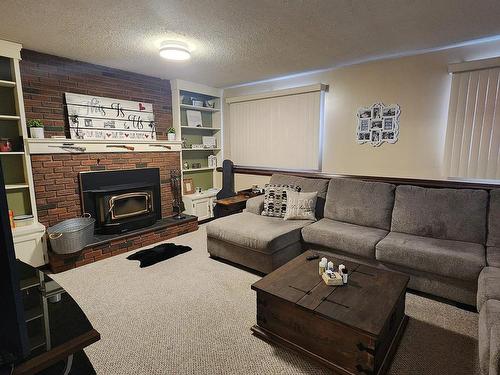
(378, 124)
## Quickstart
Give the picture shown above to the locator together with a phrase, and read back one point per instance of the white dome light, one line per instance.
(176, 51)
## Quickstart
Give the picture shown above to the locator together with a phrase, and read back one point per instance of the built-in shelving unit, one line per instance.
(188, 96)
(183, 95)
(16, 164)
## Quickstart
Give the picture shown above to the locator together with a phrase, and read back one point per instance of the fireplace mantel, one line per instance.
(79, 146)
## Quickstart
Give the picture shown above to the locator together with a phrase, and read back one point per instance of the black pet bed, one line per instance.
(159, 253)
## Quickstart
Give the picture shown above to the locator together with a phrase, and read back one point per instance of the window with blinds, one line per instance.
(472, 147)
(281, 129)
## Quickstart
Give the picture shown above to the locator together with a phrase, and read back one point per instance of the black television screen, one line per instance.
(13, 334)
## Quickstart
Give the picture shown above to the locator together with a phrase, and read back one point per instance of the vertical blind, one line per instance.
(277, 132)
(472, 147)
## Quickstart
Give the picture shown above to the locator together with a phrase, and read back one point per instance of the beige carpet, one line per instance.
(192, 315)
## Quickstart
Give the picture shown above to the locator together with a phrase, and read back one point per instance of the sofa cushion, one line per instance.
(301, 206)
(255, 205)
(307, 185)
(488, 285)
(349, 238)
(260, 233)
(359, 202)
(459, 260)
(449, 214)
(494, 219)
(493, 256)
(489, 321)
(276, 199)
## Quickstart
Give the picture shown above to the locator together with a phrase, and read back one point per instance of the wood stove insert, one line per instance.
(121, 200)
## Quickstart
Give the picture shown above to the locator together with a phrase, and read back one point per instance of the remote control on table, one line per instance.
(312, 257)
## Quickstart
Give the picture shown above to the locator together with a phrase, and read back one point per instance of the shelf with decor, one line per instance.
(15, 160)
(192, 170)
(201, 149)
(195, 128)
(197, 120)
(10, 84)
(16, 186)
(197, 107)
(10, 117)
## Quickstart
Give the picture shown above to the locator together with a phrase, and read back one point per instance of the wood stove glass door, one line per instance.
(130, 204)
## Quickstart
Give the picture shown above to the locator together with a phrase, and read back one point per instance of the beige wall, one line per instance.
(419, 84)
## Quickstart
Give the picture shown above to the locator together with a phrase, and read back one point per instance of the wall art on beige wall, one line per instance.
(378, 124)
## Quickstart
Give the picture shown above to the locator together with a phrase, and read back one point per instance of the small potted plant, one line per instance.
(36, 128)
(171, 134)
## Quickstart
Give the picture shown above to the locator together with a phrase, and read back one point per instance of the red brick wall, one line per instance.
(56, 179)
(46, 78)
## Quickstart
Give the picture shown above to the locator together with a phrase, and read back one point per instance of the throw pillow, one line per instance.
(275, 198)
(301, 206)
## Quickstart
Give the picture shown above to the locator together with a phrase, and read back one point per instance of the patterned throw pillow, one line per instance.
(301, 206)
(275, 199)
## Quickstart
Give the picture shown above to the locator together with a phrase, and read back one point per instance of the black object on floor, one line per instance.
(159, 253)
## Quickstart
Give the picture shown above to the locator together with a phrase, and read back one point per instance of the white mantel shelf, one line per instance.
(70, 146)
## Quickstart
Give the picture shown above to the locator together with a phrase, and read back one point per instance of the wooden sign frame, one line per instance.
(99, 118)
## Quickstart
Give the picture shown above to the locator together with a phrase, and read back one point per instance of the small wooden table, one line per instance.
(233, 205)
(353, 329)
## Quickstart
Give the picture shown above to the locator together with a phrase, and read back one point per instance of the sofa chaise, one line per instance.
(260, 242)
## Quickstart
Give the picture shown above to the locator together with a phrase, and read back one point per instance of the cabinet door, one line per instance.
(31, 250)
(201, 208)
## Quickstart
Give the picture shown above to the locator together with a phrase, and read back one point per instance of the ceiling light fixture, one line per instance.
(176, 51)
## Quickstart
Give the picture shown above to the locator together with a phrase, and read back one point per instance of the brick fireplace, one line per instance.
(58, 198)
(56, 179)
(45, 80)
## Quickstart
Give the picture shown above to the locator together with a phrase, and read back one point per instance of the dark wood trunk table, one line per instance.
(353, 329)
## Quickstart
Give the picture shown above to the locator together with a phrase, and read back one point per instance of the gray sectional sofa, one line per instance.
(447, 240)
(488, 294)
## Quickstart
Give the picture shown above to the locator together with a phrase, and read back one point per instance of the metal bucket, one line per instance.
(72, 235)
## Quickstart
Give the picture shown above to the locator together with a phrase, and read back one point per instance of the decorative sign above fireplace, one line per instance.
(97, 118)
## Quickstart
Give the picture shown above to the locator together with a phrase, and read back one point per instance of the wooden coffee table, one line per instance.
(353, 329)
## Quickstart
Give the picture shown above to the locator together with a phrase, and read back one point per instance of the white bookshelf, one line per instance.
(28, 240)
(183, 94)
